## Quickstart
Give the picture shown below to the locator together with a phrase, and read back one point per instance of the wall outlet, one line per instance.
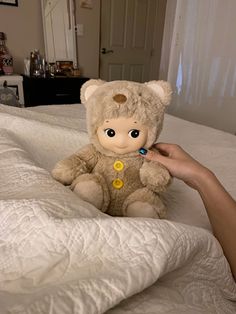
(80, 29)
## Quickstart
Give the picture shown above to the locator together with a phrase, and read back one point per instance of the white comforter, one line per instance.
(60, 255)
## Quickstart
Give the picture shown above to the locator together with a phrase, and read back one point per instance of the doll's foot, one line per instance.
(144, 203)
(141, 209)
(91, 192)
(91, 189)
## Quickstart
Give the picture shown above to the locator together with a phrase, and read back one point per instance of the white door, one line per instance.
(131, 36)
(59, 30)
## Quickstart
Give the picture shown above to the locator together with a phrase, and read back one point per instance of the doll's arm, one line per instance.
(154, 176)
(66, 170)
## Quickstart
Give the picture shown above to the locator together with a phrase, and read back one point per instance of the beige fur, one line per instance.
(90, 189)
(90, 172)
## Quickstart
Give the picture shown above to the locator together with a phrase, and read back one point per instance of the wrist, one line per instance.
(203, 178)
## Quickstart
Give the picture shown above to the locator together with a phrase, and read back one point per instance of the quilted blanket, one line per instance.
(60, 255)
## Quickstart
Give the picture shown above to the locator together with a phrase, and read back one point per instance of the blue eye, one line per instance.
(134, 133)
(110, 132)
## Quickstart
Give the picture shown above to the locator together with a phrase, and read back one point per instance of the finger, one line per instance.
(150, 154)
(153, 156)
(165, 148)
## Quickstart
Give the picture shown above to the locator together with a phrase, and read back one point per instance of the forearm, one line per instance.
(220, 206)
(221, 210)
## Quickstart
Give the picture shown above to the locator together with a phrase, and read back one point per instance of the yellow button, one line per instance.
(117, 184)
(118, 165)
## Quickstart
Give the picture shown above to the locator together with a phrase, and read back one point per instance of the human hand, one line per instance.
(179, 163)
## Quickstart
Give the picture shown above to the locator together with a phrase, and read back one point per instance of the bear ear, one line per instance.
(162, 89)
(88, 88)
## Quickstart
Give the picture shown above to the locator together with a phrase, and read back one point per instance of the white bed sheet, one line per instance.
(59, 254)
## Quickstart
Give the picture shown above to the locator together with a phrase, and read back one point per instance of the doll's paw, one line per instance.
(68, 169)
(141, 209)
(62, 175)
(155, 177)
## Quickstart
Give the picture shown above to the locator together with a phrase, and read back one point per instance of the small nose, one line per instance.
(121, 140)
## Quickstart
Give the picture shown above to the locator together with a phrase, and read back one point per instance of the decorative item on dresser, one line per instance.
(52, 90)
(15, 83)
(6, 60)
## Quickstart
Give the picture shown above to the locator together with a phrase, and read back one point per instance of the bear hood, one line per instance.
(145, 102)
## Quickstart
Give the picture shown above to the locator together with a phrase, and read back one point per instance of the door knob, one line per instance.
(104, 51)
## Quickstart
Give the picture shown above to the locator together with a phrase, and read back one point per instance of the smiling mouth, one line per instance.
(121, 147)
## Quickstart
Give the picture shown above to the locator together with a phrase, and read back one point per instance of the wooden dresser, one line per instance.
(52, 90)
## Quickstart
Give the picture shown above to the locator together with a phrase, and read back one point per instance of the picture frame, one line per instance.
(64, 67)
(9, 2)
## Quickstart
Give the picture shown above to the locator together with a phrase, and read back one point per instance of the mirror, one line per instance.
(59, 30)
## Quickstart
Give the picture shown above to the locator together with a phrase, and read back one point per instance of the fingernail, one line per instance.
(143, 151)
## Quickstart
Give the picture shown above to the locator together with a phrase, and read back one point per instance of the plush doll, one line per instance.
(122, 117)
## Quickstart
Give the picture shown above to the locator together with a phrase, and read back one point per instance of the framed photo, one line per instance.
(10, 2)
(64, 67)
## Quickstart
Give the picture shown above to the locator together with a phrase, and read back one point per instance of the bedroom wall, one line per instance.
(23, 26)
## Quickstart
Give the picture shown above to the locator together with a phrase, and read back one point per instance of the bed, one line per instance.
(60, 255)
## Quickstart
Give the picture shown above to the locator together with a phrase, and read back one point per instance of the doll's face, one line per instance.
(122, 135)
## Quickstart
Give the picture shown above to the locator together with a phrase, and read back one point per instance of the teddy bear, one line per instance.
(122, 117)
